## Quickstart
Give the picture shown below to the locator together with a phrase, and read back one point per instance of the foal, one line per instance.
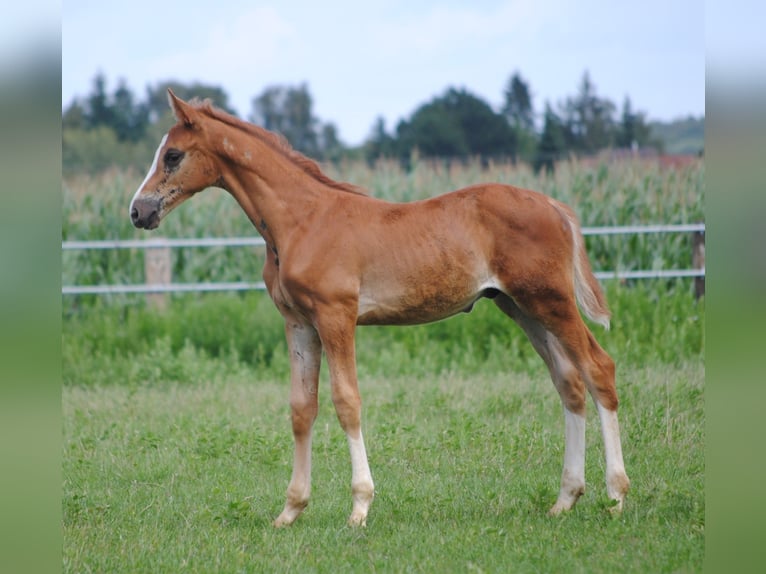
(337, 258)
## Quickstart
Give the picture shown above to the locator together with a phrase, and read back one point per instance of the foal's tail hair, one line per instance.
(590, 297)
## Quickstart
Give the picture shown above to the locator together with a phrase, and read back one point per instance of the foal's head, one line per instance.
(182, 166)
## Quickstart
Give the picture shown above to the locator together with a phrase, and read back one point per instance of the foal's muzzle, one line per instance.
(145, 213)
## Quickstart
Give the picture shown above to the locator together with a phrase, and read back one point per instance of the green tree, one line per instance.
(552, 144)
(98, 111)
(633, 130)
(380, 143)
(434, 132)
(329, 142)
(521, 115)
(518, 104)
(288, 110)
(157, 98)
(303, 127)
(456, 125)
(74, 117)
(118, 111)
(129, 120)
(588, 119)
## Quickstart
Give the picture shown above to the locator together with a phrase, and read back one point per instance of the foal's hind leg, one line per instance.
(572, 349)
(602, 389)
(568, 383)
(596, 367)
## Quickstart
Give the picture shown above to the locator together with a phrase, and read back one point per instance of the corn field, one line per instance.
(627, 193)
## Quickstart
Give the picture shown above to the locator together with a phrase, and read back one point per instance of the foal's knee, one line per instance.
(572, 392)
(303, 413)
(609, 395)
(602, 377)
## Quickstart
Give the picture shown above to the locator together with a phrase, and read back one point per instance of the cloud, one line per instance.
(446, 29)
(249, 46)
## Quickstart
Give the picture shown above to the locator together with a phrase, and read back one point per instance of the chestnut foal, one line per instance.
(338, 258)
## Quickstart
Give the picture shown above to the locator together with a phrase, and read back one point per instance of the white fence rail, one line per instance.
(153, 287)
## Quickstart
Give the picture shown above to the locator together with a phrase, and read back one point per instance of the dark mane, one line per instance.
(278, 143)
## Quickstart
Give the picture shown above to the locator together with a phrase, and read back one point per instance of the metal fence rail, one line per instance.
(168, 287)
(160, 242)
(160, 288)
(641, 229)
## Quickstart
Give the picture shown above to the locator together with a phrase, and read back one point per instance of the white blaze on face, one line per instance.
(152, 169)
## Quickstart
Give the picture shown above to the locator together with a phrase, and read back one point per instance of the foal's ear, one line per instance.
(182, 111)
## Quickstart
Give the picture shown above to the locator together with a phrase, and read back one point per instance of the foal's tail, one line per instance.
(590, 297)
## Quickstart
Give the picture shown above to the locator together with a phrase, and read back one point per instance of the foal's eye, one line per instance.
(173, 157)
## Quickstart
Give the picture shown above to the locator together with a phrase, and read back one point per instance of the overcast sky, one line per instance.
(362, 59)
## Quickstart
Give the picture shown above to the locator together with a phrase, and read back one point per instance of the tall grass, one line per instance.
(652, 319)
(622, 193)
(615, 194)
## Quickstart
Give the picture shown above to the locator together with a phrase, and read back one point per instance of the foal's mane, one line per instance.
(277, 142)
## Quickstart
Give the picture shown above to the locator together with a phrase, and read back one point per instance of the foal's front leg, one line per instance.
(305, 357)
(338, 342)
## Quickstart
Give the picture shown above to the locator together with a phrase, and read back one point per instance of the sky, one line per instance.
(367, 59)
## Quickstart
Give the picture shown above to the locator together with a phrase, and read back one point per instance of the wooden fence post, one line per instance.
(157, 269)
(698, 261)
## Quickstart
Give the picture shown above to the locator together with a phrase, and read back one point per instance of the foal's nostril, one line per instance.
(145, 212)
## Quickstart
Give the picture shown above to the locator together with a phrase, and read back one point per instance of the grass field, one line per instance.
(177, 447)
(188, 477)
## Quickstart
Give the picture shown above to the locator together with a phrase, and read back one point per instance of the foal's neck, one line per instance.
(275, 193)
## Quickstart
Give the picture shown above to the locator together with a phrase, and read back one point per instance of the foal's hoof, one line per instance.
(557, 509)
(568, 497)
(357, 520)
(282, 522)
(288, 516)
(615, 508)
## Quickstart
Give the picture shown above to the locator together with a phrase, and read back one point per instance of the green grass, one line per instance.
(107, 344)
(188, 477)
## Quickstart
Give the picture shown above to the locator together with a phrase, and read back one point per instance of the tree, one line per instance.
(552, 144)
(329, 143)
(117, 111)
(288, 110)
(116, 128)
(588, 120)
(74, 117)
(302, 126)
(129, 120)
(157, 97)
(97, 109)
(520, 114)
(518, 104)
(457, 124)
(380, 143)
(633, 129)
(434, 131)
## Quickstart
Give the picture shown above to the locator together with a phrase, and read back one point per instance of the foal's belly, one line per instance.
(422, 304)
(423, 277)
